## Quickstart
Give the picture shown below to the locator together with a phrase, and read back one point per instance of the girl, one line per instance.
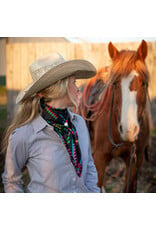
(45, 136)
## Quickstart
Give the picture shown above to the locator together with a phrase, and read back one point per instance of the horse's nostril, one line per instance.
(136, 130)
(121, 129)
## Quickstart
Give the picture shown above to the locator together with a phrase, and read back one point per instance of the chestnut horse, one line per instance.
(116, 113)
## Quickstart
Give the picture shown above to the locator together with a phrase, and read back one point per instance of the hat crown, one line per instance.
(42, 65)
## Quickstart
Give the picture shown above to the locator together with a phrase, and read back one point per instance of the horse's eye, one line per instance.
(143, 83)
(114, 83)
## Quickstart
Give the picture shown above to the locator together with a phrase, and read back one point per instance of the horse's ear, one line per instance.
(112, 50)
(142, 50)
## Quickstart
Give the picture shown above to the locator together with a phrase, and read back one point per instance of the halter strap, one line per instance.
(110, 125)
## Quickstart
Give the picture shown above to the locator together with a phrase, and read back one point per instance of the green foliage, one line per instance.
(153, 133)
(3, 118)
(2, 80)
(3, 91)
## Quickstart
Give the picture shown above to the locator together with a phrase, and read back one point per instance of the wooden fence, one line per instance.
(2, 57)
(20, 55)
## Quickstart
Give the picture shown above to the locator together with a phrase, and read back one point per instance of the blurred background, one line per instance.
(17, 53)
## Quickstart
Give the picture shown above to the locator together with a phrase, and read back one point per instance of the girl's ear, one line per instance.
(40, 95)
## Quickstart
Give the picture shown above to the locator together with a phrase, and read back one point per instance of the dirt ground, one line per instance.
(146, 182)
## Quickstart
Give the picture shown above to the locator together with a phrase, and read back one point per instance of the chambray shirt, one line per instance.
(38, 147)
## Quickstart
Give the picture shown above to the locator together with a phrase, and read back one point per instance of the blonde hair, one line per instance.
(30, 108)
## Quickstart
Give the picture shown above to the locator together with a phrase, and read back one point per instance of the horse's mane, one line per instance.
(98, 107)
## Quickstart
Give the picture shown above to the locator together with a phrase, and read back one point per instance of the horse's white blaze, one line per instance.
(129, 120)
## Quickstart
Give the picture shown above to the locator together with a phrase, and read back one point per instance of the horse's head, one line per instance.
(129, 77)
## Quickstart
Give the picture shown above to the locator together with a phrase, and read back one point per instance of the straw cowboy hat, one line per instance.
(47, 70)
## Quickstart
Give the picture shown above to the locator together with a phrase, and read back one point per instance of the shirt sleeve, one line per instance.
(91, 178)
(15, 161)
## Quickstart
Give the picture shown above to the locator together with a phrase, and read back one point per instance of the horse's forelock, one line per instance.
(126, 62)
(141, 68)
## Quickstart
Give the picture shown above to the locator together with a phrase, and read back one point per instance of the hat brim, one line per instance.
(81, 69)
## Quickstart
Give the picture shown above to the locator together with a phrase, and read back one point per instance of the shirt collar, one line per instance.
(72, 115)
(39, 123)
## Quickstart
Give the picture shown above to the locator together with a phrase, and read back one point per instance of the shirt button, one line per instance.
(74, 179)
